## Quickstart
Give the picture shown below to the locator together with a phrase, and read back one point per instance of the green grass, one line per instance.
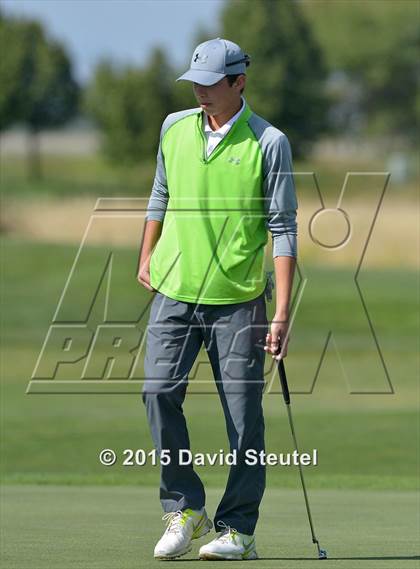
(75, 176)
(364, 441)
(61, 509)
(108, 528)
(93, 175)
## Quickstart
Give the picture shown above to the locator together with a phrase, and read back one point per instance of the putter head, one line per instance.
(322, 554)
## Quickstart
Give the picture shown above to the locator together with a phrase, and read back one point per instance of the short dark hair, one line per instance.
(232, 78)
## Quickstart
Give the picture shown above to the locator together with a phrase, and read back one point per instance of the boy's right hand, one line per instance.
(143, 277)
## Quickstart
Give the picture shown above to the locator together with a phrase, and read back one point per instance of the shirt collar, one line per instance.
(224, 129)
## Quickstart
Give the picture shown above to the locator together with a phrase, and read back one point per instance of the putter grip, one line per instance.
(283, 381)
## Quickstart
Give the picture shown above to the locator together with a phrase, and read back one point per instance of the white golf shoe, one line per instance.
(182, 527)
(229, 545)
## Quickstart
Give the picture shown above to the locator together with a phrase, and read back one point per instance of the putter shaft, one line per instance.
(322, 554)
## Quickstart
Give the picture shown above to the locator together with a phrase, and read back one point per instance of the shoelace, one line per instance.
(228, 533)
(173, 520)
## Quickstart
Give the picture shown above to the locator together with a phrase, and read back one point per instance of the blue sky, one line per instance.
(125, 30)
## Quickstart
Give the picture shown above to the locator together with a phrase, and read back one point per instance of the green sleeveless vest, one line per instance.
(211, 250)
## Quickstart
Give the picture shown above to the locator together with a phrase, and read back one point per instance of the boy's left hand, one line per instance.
(276, 341)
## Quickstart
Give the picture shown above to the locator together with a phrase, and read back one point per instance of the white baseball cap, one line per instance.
(213, 60)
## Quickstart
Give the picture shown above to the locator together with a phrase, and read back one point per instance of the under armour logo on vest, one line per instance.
(233, 160)
(200, 59)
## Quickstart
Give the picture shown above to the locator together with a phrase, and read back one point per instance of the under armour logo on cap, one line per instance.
(200, 59)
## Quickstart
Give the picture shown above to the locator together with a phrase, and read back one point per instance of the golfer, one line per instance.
(223, 177)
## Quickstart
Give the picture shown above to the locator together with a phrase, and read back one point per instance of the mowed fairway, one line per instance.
(116, 528)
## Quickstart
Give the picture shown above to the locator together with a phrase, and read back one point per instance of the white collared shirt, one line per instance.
(215, 136)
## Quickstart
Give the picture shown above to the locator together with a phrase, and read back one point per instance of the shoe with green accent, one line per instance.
(182, 528)
(229, 545)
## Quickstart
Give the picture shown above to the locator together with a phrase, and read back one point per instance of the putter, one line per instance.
(322, 553)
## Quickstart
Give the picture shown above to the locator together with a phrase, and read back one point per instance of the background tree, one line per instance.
(38, 88)
(287, 72)
(372, 50)
(11, 81)
(129, 104)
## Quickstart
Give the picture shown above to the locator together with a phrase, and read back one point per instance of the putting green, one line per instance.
(92, 527)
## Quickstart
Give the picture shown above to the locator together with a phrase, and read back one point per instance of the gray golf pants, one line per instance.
(234, 338)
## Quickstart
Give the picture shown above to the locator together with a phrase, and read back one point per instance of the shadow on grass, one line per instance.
(371, 558)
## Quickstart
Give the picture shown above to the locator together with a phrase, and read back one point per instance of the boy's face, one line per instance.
(219, 98)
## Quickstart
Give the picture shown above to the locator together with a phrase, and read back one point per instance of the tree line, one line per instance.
(320, 67)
